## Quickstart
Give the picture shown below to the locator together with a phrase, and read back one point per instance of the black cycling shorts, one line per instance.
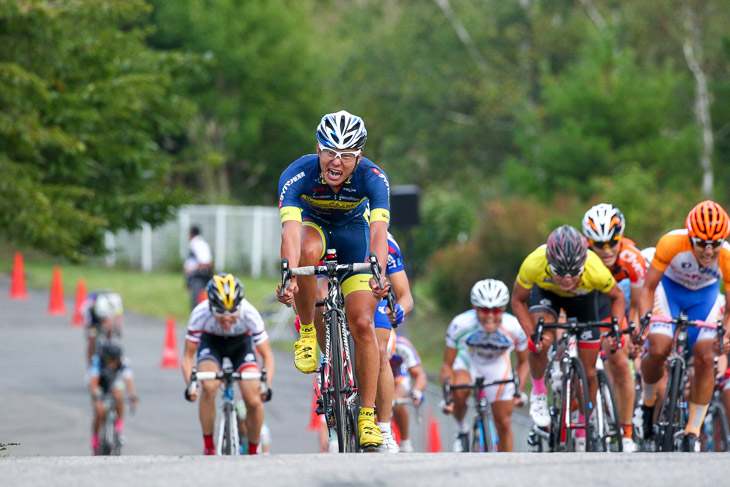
(238, 349)
(594, 306)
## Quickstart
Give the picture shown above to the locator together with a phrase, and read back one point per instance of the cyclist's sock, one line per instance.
(94, 442)
(696, 417)
(307, 330)
(628, 430)
(461, 425)
(253, 448)
(119, 426)
(384, 427)
(538, 385)
(208, 442)
(648, 393)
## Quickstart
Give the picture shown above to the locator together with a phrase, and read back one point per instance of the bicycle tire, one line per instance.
(481, 437)
(609, 424)
(226, 446)
(715, 438)
(668, 420)
(575, 383)
(337, 380)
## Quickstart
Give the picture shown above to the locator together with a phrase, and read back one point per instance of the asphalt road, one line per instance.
(44, 407)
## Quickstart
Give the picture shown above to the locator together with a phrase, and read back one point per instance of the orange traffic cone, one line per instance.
(17, 285)
(77, 319)
(169, 353)
(434, 436)
(56, 305)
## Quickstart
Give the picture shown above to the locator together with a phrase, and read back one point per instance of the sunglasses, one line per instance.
(605, 244)
(698, 242)
(330, 154)
(222, 312)
(491, 311)
(555, 272)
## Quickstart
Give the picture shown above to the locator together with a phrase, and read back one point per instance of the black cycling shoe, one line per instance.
(690, 443)
(647, 421)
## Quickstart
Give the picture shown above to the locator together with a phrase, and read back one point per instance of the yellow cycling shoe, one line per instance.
(370, 435)
(305, 354)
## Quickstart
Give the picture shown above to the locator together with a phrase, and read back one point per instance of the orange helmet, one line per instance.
(708, 221)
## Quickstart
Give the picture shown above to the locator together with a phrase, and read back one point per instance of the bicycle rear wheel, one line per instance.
(607, 419)
(669, 421)
(574, 417)
(481, 437)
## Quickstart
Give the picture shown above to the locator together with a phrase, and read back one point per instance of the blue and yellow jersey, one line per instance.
(302, 190)
(536, 271)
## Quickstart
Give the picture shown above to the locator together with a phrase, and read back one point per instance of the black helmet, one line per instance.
(225, 293)
(567, 251)
(111, 351)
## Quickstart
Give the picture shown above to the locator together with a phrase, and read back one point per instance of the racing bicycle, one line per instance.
(228, 436)
(481, 435)
(340, 401)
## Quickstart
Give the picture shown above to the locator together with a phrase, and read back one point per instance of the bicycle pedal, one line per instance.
(319, 409)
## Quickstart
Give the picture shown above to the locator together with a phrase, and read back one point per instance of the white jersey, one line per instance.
(198, 254)
(249, 321)
(466, 334)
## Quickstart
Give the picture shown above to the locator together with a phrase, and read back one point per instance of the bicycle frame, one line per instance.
(481, 439)
(228, 437)
(671, 421)
(338, 389)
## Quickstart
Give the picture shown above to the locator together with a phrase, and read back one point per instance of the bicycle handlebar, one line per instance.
(682, 321)
(196, 376)
(573, 326)
(478, 384)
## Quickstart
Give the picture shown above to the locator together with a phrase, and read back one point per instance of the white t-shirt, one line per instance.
(198, 253)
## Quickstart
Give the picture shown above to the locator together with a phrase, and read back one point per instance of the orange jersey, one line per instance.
(675, 257)
(630, 264)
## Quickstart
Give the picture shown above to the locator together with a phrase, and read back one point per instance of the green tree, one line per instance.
(260, 107)
(85, 110)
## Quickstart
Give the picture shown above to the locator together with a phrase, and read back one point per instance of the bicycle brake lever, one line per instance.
(285, 276)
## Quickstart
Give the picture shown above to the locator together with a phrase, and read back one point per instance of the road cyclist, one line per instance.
(227, 325)
(323, 199)
(478, 345)
(684, 277)
(564, 274)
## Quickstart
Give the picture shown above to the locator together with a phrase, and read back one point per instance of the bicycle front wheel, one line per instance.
(336, 379)
(481, 438)
(669, 421)
(575, 428)
(607, 420)
(227, 435)
(715, 430)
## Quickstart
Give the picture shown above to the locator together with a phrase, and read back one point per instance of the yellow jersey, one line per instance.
(536, 271)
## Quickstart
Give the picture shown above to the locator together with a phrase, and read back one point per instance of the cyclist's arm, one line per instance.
(379, 245)
(646, 295)
(521, 310)
(419, 377)
(131, 389)
(188, 360)
(402, 290)
(267, 360)
(618, 303)
(94, 386)
(634, 305)
(447, 366)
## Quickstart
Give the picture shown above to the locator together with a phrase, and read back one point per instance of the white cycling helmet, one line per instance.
(490, 293)
(603, 222)
(103, 307)
(342, 130)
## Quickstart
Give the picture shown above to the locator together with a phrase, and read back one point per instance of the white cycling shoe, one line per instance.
(389, 444)
(629, 445)
(539, 410)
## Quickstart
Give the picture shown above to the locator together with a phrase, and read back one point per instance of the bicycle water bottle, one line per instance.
(229, 393)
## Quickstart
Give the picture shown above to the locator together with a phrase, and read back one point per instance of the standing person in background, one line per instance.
(197, 266)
